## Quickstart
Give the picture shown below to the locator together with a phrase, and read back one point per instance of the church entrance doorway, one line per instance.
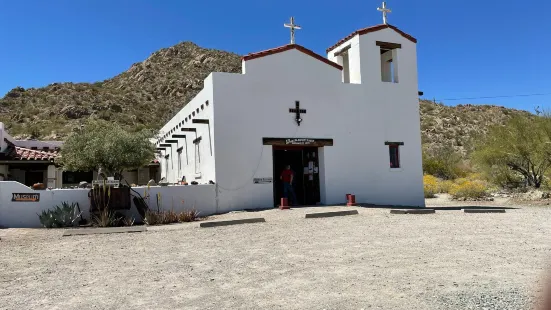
(302, 154)
(305, 166)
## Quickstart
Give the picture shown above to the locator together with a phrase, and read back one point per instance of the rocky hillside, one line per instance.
(150, 92)
(146, 95)
(461, 125)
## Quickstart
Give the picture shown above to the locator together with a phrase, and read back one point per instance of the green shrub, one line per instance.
(444, 162)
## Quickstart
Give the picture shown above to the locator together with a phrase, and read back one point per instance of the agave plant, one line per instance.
(60, 216)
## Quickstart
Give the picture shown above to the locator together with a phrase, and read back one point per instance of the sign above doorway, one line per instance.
(297, 142)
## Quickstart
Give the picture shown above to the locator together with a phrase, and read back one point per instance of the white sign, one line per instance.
(299, 141)
(106, 182)
(263, 180)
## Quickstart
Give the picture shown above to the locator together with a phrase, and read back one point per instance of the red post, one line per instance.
(351, 200)
(348, 197)
(284, 204)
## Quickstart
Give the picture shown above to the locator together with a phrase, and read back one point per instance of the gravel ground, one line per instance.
(374, 260)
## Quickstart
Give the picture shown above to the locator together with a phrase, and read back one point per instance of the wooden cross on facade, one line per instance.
(298, 111)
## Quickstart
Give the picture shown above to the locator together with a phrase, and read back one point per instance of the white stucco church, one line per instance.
(346, 123)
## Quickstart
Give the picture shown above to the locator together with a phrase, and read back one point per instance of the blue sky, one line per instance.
(466, 48)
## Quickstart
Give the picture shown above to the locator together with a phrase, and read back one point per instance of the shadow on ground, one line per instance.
(443, 208)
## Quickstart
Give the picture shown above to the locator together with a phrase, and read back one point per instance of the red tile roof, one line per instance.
(372, 29)
(28, 154)
(290, 47)
(21, 153)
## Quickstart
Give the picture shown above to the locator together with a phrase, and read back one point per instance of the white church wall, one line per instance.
(398, 108)
(358, 118)
(267, 96)
(302, 65)
(195, 167)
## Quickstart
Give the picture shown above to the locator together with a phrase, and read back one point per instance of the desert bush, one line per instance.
(444, 162)
(58, 217)
(171, 217)
(161, 217)
(430, 185)
(154, 217)
(128, 221)
(444, 186)
(105, 218)
(189, 216)
(469, 188)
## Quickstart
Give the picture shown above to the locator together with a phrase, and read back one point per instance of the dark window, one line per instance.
(71, 177)
(394, 155)
(207, 102)
(179, 161)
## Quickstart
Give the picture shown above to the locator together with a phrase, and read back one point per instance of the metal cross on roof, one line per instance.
(293, 26)
(385, 11)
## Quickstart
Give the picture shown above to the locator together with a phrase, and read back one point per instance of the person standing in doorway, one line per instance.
(287, 178)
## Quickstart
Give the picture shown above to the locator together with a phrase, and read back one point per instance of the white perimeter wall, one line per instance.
(25, 214)
(195, 109)
(360, 118)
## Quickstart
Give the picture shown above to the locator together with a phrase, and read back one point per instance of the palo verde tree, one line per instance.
(520, 149)
(106, 146)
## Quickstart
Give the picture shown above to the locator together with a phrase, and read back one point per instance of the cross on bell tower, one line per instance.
(385, 11)
(293, 26)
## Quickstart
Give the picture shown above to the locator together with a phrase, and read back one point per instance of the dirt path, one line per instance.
(447, 260)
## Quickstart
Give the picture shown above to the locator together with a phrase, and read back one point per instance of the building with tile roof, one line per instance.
(33, 161)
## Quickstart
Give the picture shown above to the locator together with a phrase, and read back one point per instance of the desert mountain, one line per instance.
(152, 91)
(146, 95)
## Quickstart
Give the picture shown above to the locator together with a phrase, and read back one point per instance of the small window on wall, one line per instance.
(394, 154)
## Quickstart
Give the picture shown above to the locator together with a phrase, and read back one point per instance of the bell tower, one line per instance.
(377, 54)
